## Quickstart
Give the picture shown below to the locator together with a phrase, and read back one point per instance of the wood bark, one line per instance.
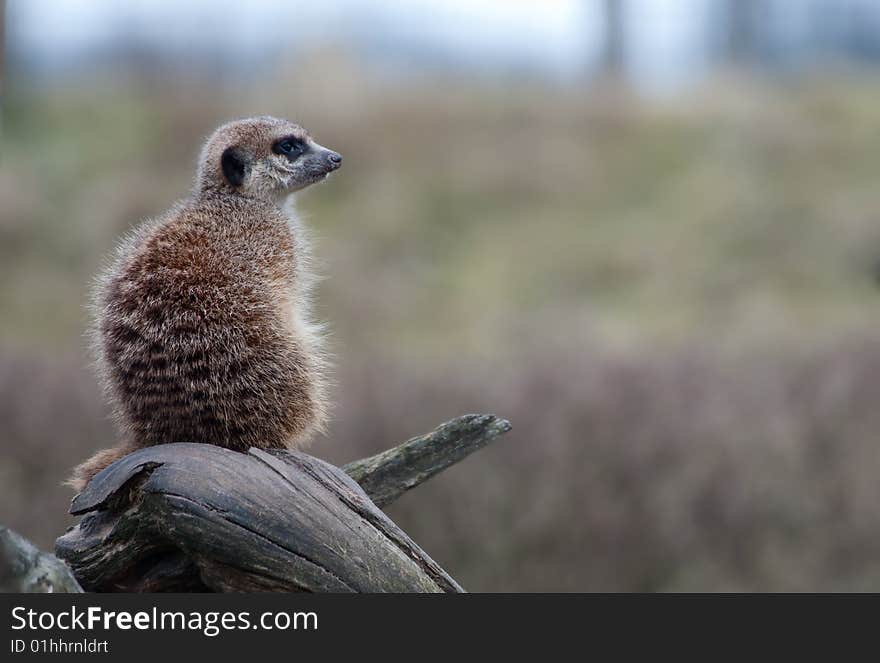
(196, 517)
(386, 476)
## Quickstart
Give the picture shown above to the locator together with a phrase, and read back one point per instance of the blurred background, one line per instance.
(645, 231)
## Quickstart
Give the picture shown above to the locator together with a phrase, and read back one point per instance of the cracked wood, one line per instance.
(196, 517)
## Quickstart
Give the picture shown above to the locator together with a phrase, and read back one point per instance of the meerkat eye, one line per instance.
(289, 147)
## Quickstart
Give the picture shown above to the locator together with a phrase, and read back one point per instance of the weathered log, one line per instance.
(195, 517)
(23, 568)
(387, 475)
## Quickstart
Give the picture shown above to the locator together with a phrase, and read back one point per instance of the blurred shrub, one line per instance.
(679, 470)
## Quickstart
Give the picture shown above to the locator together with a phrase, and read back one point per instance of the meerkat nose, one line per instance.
(335, 159)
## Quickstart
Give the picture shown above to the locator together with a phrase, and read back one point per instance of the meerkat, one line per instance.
(202, 328)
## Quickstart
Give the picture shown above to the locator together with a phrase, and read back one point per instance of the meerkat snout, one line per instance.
(203, 326)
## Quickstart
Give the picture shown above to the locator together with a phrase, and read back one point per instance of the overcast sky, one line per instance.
(559, 38)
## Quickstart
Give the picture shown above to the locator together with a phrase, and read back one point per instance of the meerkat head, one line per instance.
(263, 157)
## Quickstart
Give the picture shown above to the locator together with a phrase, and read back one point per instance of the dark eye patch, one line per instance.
(290, 147)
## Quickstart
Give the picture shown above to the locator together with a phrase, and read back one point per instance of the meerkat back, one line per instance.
(202, 326)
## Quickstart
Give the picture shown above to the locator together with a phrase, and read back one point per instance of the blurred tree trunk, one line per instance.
(614, 52)
(2, 58)
(743, 27)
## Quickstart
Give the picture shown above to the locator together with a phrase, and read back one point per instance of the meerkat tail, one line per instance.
(84, 472)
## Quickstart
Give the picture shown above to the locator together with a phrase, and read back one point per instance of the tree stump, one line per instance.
(196, 517)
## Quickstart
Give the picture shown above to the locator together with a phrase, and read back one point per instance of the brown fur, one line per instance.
(203, 332)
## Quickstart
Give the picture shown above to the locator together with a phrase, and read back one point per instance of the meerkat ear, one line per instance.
(235, 166)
